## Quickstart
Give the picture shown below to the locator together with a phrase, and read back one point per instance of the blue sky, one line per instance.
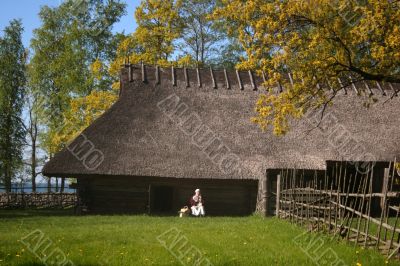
(27, 11)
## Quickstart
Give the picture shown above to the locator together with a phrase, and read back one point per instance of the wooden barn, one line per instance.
(173, 130)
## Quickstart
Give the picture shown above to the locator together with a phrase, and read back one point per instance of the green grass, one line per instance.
(132, 240)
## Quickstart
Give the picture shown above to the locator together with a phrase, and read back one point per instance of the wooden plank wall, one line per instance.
(131, 194)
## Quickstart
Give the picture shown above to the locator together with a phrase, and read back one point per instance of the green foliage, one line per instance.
(72, 37)
(12, 91)
(178, 33)
(159, 25)
(318, 41)
(230, 55)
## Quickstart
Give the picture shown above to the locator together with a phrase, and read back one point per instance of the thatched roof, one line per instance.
(158, 129)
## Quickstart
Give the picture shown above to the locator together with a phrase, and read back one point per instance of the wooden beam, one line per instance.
(380, 88)
(291, 79)
(374, 220)
(368, 88)
(144, 74)
(130, 74)
(253, 84)
(173, 76)
(278, 194)
(390, 194)
(342, 86)
(318, 85)
(186, 77)
(198, 77)
(149, 200)
(267, 195)
(329, 85)
(395, 226)
(264, 77)
(383, 203)
(280, 89)
(353, 85)
(239, 80)
(228, 85)
(214, 84)
(393, 89)
(157, 75)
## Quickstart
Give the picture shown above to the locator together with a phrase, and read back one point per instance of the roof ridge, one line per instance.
(222, 78)
(193, 77)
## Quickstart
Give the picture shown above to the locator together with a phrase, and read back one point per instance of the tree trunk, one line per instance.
(7, 179)
(8, 158)
(49, 184)
(33, 130)
(34, 185)
(62, 184)
(202, 43)
(33, 167)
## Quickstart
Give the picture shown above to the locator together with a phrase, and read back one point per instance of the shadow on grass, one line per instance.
(31, 264)
(24, 213)
(43, 264)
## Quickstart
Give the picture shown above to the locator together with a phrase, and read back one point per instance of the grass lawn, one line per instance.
(146, 240)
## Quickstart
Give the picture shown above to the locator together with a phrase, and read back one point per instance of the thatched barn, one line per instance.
(173, 130)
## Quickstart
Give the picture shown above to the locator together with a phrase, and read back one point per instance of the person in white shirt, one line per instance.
(197, 204)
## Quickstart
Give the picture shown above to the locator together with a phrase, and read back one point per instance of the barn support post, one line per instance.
(278, 194)
(264, 195)
(261, 197)
(267, 193)
(149, 201)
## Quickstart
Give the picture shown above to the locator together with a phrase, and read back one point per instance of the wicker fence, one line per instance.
(16, 200)
(345, 204)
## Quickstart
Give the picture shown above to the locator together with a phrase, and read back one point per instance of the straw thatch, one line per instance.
(158, 129)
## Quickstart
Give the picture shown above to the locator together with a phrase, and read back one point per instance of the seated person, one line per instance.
(196, 203)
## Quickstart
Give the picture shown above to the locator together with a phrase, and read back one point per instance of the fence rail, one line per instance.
(345, 203)
(12, 200)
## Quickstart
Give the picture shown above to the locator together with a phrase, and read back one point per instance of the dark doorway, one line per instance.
(162, 199)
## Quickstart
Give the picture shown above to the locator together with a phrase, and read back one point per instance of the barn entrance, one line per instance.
(162, 198)
(166, 196)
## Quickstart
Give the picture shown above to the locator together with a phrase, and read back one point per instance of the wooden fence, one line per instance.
(361, 207)
(18, 200)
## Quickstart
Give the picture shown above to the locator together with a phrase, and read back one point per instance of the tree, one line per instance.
(84, 110)
(179, 33)
(318, 41)
(73, 38)
(32, 129)
(12, 82)
(159, 26)
(201, 38)
(127, 47)
(231, 51)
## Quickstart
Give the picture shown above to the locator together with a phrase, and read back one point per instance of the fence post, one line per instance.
(383, 204)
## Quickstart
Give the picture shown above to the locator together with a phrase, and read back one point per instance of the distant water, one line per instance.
(27, 188)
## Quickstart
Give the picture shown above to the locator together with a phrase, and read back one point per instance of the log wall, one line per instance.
(104, 194)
